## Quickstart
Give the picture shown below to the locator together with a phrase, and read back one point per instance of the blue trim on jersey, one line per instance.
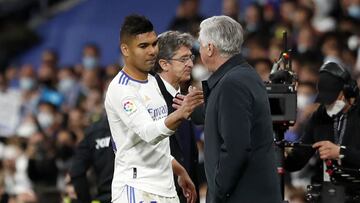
(129, 78)
(133, 193)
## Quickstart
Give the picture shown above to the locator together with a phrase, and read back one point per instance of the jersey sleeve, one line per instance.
(133, 113)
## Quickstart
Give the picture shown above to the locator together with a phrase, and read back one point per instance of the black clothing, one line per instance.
(95, 150)
(239, 151)
(43, 172)
(182, 144)
(321, 127)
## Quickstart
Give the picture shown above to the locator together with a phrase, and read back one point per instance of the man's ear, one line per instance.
(124, 49)
(210, 49)
(164, 64)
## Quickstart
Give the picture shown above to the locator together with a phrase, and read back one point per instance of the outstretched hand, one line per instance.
(187, 103)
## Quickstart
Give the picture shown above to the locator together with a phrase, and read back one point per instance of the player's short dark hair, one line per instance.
(134, 25)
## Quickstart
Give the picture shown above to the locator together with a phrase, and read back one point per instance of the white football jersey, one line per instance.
(136, 112)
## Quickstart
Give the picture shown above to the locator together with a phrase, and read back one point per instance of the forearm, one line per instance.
(177, 168)
(174, 120)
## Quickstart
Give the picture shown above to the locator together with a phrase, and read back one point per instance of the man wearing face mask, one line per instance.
(333, 129)
(91, 55)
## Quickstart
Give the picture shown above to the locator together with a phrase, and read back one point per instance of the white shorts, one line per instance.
(133, 195)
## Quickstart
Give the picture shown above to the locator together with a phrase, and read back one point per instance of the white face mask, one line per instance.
(45, 119)
(200, 73)
(26, 83)
(335, 108)
(66, 85)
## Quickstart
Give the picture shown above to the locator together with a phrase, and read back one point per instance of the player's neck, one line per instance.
(135, 73)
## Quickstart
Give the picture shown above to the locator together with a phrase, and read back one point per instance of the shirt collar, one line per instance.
(170, 88)
(224, 68)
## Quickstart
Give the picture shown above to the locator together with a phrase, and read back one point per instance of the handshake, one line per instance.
(185, 104)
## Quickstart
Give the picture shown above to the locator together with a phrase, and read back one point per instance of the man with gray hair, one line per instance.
(174, 65)
(239, 153)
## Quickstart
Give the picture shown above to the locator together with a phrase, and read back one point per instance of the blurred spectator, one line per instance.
(91, 57)
(77, 122)
(89, 80)
(231, 8)
(93, 105)
(306, 93)
(351, 8)
(302, 17)
(322, 20)
(287, 12)
(28, 87)
(11, 76)
(305, 47)
(48, 118)
(308, 72)
(111, 70)
(16, 180)
(95, 150)
(65, 146)
(27, 127)
(42, 169)
(48, 69)
(331, 47)
(69, 87)
(10, 106)
(263, 67)
(256, 46)
(187, 17)
(50, 58)
(199, 73)
(254, 20)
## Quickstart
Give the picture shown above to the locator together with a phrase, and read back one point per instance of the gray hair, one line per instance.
(225, 33)
(169, 42)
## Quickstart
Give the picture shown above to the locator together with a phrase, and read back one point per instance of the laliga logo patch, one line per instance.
(129, 107)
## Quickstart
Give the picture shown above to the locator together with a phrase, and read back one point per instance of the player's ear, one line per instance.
(124, 49)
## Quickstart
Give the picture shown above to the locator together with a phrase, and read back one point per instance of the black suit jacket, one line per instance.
(239, 152)
(182, 144)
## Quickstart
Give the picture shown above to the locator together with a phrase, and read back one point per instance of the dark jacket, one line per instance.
(182, 144)
(95, 150)
(321, 127)
(239, 151)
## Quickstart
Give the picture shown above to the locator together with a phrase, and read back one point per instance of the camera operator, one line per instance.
(333, 131)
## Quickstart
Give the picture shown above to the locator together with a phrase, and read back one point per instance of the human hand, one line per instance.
(327, 150)
(187, 104)
(188, 188)
(177, 101)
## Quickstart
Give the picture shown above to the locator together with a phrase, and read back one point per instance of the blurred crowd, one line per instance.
(45, 109)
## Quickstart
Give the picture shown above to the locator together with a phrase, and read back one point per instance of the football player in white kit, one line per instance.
(139, 124)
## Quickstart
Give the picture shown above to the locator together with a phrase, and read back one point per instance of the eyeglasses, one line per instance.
(184, 59)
